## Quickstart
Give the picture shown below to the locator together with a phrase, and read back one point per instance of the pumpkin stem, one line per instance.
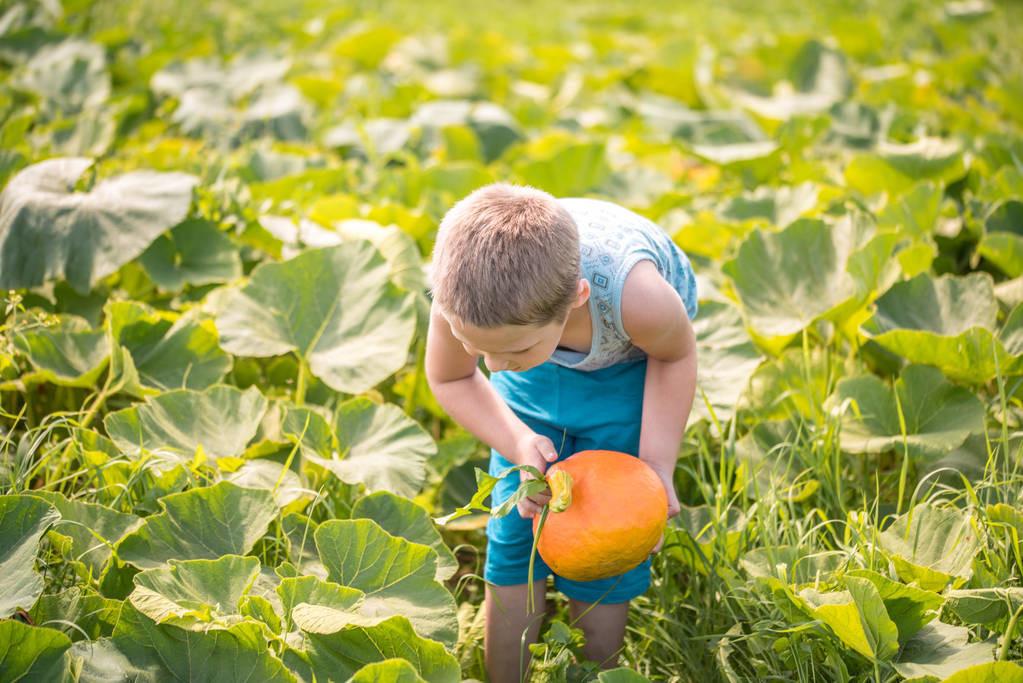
(561, 490)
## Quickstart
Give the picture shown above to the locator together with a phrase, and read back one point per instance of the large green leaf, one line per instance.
(195, 594)
(397, 576)
(932, 546)
(401, 517)
(69, 353)
(221, 419)
(937, 415)
(948, 322)
(383, 448)
(911, 608)
(857, 616)
(168, 351)
(337, 656)
(49, 232)
(195, 252)
(984, 605)
(564, 167)
(324, 603)
(69, 76)
(23, 521)
(494, 127)
(80, 613)
(727, 360)
(787, 280)
(820, 78)
(335, 307)
(203, 523)
(93, 529)
(896, 168)
(387, 671)
(939, 650)
(142, 650)
(31, 653)
(995, 672)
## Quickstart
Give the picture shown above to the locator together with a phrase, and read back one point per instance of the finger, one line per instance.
(527, 508)
(540, 499)
(546, 450)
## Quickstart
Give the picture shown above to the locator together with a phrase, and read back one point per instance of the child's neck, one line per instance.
(578, 332)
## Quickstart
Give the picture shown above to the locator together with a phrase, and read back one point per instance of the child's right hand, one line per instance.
(536, 450)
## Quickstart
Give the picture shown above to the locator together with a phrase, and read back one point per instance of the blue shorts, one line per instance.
(578, 411)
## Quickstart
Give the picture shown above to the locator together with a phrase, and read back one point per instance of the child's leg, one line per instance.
(510, 630)
(604, 627)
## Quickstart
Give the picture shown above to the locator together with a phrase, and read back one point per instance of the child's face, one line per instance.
(516, 347)
(509, 347)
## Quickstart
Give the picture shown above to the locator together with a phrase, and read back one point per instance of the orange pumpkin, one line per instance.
(615, 514)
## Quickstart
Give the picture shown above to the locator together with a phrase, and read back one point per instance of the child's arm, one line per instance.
(463, 391)
(655, 319)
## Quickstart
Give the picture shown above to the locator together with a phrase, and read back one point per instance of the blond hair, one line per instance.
(506, 255)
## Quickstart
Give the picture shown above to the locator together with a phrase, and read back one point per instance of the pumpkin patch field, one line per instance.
(220, 459)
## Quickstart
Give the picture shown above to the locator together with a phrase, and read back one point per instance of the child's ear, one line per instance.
(582, 293)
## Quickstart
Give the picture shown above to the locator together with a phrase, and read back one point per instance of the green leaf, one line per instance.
(494, 127)
(194, 253)
(195, 594)
(168, 352)
(221, 419)
(383, 448)
(995, 672)
(69, 353)
(335, 307)
(821, 79)
(93, 529)
(203, 523)
(984, 605)
(311, 592)
(31, 653)
(948, 322)
(337, 656)
(932, 546)
(564, 168)
(911, 608)
(1002, 243)
(896, 168)
(938, 415)
(727, 360)
(285, 484)
(142, 650)
(400, 250)
(621, 675)
(80, 613)
(401, 517)
(23, 521)
(69, 76)
(396, 575)
(939, 650)
(787, 280)
(387, 671)
(49, 232)
(858, 617)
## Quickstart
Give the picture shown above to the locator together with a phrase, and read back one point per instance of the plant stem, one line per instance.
(303, 378)
(530, 602)
(1003, 655)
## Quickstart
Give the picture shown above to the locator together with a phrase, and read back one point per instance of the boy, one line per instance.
(581, 311)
